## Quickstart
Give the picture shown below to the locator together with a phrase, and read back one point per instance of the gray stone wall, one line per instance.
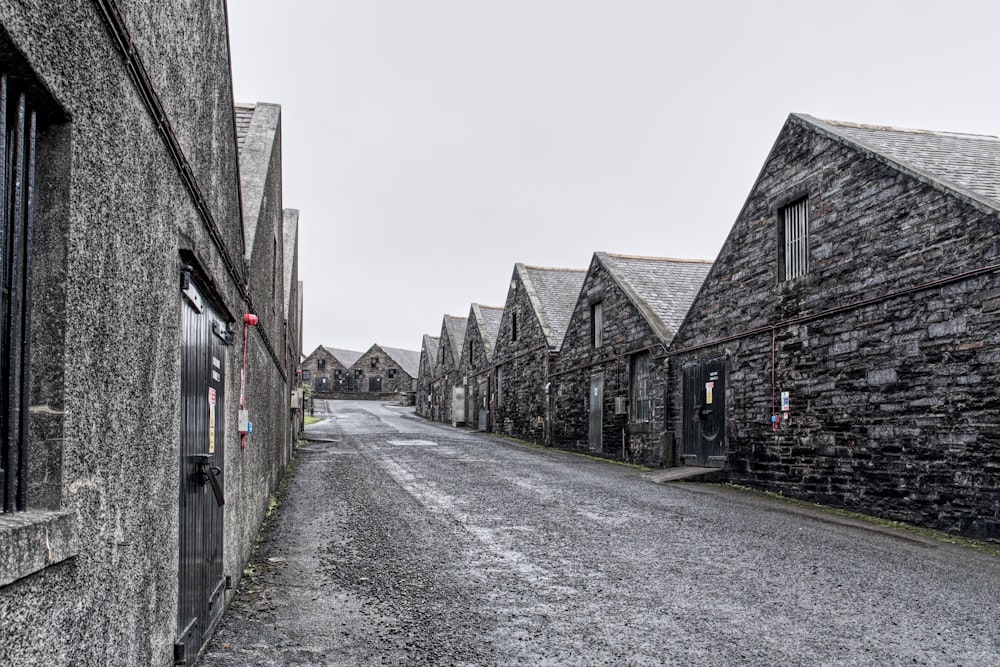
(625, 333)
(383, 367)
(323, 365)
(425, 380)
(522, 366)
(447, 376)
(105, 385)
(893, 403)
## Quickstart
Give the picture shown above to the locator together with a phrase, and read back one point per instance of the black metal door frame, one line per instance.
(704, 412)
(200, 579)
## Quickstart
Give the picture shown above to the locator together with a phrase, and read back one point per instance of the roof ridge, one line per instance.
(660, 259)
(909, 130)
(552, 268)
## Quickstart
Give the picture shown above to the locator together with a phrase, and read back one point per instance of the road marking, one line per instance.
(412, 443)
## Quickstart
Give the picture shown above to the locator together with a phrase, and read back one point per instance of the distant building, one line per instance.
(327, 371)
(384, 372)
(476, 364)
(426, 377)
(539, 305)
(447, 371)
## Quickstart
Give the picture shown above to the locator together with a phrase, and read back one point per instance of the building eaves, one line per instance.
(661, 289)
(430, 347)
(965, 165)
(553, 294)
(242, 114)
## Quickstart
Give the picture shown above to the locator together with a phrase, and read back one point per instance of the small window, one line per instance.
(321, 364)
(596, 325)
(336, 372)
(358, 373)
(794, 238)
(513, 325)
(392, 373)
(306, 375)
(374, 362)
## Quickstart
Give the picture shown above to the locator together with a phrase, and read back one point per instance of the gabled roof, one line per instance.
(345, 357)
(408, 360)
(242, 114)
(553, 294)
(966, 163)
(430, 345)
(259, 142)
(455, 327)
(662, 289)
(488, 321)
(290, 241)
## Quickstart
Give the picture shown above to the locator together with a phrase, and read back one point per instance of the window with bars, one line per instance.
(18, 126)
(641, 405)
(794, 230)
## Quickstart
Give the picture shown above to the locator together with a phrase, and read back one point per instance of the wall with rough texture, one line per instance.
(106, 363)
(893, 404)
(522, 364)
(625, 333)
(427, 376)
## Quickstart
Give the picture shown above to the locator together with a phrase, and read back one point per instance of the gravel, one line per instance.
(400, 541)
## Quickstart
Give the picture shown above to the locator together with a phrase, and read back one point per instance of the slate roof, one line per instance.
(555, 292)
(969, 163)
(408, 360)
(345, 357)
(430, 344)
(663, 289)
(243, 113)
(489, 325)
(456, 334)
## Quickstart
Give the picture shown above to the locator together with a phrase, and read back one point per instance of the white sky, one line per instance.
(431, 144)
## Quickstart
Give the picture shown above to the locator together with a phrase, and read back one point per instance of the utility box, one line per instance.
(621, 405)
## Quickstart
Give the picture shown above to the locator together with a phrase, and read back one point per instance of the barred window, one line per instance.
(17, 174)
(640, 387)
(795, 239)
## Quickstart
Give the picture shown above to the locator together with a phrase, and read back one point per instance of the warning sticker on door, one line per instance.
(211, 420)
(709, 386)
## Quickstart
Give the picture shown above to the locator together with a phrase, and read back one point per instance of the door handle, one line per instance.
(209, 473)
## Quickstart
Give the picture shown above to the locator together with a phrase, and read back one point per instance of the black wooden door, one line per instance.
(705, 413)
(200, 578)
(375, 384)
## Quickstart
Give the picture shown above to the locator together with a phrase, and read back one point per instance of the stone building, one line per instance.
(130, 500)
(446, 369)
(539, 304)
(327, 371)
(475, 366)
(609, 381)
(426, 377)
(386, 372)
(843, 347)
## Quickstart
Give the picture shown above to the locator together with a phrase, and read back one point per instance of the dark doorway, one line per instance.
(375, 384)
(200, 578)
(705, 413)
(597, 412)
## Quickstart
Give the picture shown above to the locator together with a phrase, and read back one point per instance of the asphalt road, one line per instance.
(399, 542)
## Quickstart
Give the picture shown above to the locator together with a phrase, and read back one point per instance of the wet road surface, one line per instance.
(400, 541)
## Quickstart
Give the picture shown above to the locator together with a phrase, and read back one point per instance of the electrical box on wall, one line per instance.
(244, 421)
(621, 405)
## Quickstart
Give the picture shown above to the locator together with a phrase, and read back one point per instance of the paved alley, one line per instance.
(399, 541)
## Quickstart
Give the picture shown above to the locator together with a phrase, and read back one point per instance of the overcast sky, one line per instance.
(431, 144)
